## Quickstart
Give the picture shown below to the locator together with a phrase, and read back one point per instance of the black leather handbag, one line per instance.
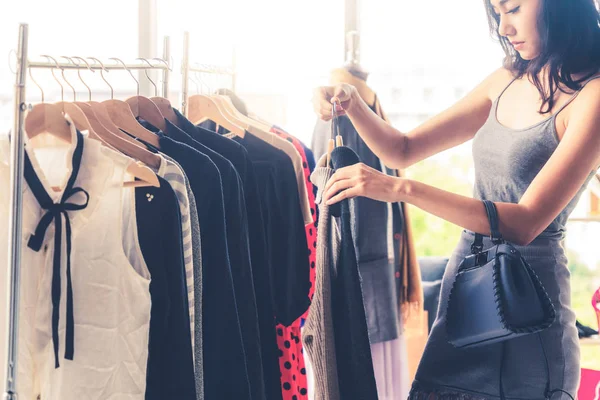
(496, 296)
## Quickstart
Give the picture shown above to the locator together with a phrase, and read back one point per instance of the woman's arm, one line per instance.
(450, 128)
(577, 154)
(466, 212)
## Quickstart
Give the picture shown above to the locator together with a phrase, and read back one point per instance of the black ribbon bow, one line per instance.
(55, 212)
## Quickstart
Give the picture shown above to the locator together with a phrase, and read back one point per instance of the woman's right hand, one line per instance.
(325, 96)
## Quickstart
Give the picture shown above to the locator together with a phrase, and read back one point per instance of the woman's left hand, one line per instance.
(362, 180)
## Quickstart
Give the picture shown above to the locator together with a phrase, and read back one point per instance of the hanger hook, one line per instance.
(210, 78)
(215, 75)
(36, 84)
(164, 62)
(169, 68)
(218, 78)
(147, 76)
(223, 78)
(202, 82)
(206, 79)
(79, 74)
(193, 78)
(130, 73)
(230, 73)
(112, 92)
(62, 71)
(199, 89)
(62, 89)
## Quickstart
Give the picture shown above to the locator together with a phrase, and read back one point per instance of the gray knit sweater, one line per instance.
(318, 335)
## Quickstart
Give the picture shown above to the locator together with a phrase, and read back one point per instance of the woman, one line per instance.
(536, 129)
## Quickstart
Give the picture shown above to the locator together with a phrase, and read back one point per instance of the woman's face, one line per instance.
(518, 23)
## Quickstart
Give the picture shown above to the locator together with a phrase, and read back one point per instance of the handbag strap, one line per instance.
(547, 392)
(492, 214)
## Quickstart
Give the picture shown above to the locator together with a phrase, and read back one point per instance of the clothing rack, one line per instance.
(16, 180)
(186, 68)
(163, 66)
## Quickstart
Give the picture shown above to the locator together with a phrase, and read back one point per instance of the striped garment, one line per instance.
(173, 174)
(196, 299)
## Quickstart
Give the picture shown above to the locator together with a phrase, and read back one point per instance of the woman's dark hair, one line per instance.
(570, 35)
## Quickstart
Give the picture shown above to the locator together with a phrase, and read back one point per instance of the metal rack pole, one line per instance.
(15, 217)
(185, 73)
(167, 58)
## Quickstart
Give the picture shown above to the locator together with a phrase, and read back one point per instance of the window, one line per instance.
(81, 31)
(428, 95)
(459, 93)
(283, 51)
(423, 58)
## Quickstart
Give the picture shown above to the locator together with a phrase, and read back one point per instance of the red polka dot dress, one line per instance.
(291, 355)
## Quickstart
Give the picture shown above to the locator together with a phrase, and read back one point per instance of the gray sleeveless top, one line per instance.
(507, 160)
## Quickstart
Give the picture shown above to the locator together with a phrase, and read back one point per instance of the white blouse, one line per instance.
(109, 279)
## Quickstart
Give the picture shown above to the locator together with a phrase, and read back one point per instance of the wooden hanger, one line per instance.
(141, 106)
(330, 147)
(166, 109)
(163, 103)
(251, 120)
(231, 113)
(47, 118)
(201, 106)
(227, 104)
(250, 125)
(56, 128)
(121, 141)
(259, 119)
(134, 150)
(78, 117)
(99, 111)
(144, 108)
(120, 113)
(85, 118)
(146, 176)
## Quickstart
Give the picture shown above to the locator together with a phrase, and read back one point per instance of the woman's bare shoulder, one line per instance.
(497, 82)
